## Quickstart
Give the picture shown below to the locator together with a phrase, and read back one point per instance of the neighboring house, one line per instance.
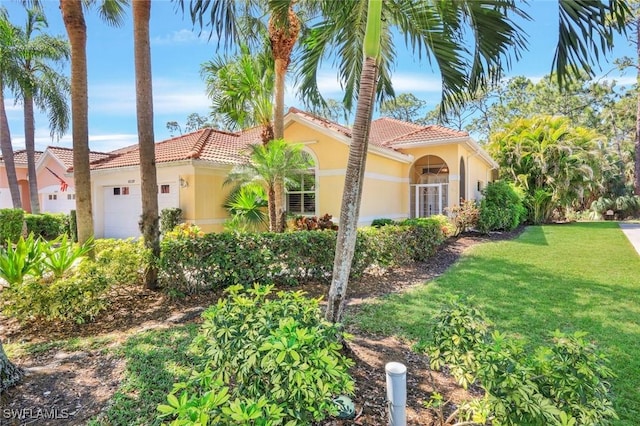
(412, 171)
(56, 189)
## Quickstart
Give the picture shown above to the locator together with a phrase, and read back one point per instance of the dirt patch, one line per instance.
(68, 388)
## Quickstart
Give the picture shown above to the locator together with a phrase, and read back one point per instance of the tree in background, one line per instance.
(405, 107)
(8, 72)
(195, 122)
(40, 84)
(556, 163)
(73, 16)
(332, 110)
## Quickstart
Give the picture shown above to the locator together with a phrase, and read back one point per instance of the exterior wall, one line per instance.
(203, 203)
(384, 189)
(5, 194)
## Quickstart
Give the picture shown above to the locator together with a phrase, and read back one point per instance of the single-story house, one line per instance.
(412, 171)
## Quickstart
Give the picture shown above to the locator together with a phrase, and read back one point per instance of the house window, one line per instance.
(165, 189)
(125, 190)
(53, 196)
(71, 196)
(480, 185)
(116, 191)
(301, 194)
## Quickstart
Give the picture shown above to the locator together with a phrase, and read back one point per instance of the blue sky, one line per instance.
(177, 51)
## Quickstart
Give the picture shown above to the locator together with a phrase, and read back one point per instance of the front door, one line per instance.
(429, 199)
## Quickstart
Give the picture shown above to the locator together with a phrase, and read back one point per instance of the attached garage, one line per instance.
(123, 207)
(53, 200)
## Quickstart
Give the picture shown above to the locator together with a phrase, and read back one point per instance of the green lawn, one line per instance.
(583, 276)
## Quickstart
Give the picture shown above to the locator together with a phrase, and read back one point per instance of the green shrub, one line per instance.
(11, 222)
(21, 259)
(501, 208)
(47, 225)
(78, 296)
(314, 223)
(377, 223)
(169, 219)
(62, 254)
(192, 262)
(122, 261)
(266, 361)
(446, 224)
(565, 384)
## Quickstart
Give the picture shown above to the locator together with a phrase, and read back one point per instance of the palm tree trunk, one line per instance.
(636, 180)
(29, 142)
(7, 152)
(350, 210)
(271, 195)
(9, 373)
(77, 31)
(146, 143)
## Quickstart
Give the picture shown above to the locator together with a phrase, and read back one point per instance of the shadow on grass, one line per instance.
(155, 361)
(531, 301)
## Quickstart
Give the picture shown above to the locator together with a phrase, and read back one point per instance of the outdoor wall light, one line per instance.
(184, 183)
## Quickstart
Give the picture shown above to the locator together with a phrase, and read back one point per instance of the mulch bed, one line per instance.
(76, 386)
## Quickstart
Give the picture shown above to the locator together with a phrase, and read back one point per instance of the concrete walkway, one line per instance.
(632, 231)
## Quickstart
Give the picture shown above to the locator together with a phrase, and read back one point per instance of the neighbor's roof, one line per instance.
(65, 155)
(20, 156)
(205, 144)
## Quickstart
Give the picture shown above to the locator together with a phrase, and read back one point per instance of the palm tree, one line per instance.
(268, 165)
(73, 17)
(241, 90)
(42, 85)
(234, 20)
(144, 107)
(437, 29)
(8, 72)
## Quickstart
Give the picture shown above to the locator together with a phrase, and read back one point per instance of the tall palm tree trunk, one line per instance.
(9, 373)
(283, 39)
(636, 180)
(7, 152)
(74, 23)
(29, 142)
(144, 110)
(354, 177)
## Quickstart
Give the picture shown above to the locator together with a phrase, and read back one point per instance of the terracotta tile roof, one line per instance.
(205, 144)
(346, 131)
(20, 156)
(386, 132)
(65, 155)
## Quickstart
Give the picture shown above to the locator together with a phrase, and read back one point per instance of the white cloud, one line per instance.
(179, 37)
(416, 83)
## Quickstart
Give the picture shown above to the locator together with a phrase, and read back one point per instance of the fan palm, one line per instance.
(268, 165)
(40, 84)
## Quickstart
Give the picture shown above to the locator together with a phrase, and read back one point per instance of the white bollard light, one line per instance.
(397, 393)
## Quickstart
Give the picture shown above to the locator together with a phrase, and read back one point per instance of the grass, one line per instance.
(582, 276)
(156, 360)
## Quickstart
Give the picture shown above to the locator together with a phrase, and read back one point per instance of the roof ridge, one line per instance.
(199, 144)
(397, 120)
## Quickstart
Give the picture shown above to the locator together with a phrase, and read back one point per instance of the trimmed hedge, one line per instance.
(11, 221)
(190, 264)
(47, 225)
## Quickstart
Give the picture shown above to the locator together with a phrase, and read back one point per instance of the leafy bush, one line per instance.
(11, 222)
(464, 216)
(566, 383)
(78, 296)
(20, 260)
(122, 261)
(169, 219)
(47, 225)
(62, 254)
(501, 208)
(190, 263)
(268, 360)
(314, 223)
(446, 224)
(377, 223)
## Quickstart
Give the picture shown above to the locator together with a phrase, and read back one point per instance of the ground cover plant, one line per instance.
(577, 277)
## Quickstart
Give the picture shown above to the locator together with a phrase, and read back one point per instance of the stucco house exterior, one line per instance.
(412, 171)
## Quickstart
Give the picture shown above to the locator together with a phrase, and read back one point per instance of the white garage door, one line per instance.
(123, 207)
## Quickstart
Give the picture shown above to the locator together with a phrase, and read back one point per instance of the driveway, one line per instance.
(632, 231)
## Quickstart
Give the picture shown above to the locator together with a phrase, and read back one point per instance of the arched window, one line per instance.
(463, 180)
